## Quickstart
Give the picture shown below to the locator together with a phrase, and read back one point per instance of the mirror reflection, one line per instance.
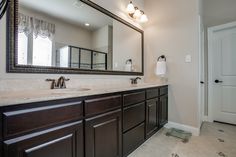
(71, 34)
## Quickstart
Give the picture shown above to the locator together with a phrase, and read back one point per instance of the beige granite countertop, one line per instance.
(30, 96)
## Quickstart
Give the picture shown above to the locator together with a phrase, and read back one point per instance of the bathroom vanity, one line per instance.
(99, 124)
(81, 38)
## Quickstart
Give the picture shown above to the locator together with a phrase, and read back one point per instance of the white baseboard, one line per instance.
(193, 130)
(205, 119)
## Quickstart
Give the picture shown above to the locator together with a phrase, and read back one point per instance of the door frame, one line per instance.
(211, 31)
(202, 89)
(201, 93)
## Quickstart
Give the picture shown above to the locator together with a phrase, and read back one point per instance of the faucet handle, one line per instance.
(63, 78)
(67, 79)
(53, 85)
(49, 80)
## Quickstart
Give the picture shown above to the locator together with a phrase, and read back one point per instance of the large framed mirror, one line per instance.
(73, 37)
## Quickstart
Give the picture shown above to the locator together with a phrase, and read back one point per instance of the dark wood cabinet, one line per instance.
(133, 121)
(107, 125)
(102, 104)
(133, 139)
(103, 135)
(25, 121)
(133, 116)
(152, 93)
(163, 110)
(152, 116)
(1, 137)
(61, 141)
(133, 98)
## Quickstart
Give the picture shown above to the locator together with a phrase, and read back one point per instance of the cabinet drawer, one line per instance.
(134, 98)
(133, 115)
(61, 141)
(28, 120)
(164, 90)
(100, 105)
(152, 93)
(132, 139)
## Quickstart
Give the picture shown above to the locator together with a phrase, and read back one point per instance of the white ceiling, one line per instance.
(73, 11)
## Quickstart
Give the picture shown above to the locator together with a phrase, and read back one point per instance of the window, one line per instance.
(42, 51)
(38, 53)
(35, 46)
(64, 56)
(22, 49)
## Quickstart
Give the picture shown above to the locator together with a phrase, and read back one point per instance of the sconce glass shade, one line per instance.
(130, 8)
(144, 18)
(137, 14)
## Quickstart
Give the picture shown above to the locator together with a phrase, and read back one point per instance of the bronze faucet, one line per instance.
(53, 84)
(135, 80)
(59, 84)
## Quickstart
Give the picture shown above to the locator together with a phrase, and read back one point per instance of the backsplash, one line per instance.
(13, 84)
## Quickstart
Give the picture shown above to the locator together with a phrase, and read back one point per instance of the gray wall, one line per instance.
(173, 31)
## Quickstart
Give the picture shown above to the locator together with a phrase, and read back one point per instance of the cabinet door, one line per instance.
(62, 141)
(133, 139)
(103, 135)
(1, 138)
(151, 116)
(163, 110)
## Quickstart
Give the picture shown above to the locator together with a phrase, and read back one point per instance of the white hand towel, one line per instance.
(161, 68)
(128, 67)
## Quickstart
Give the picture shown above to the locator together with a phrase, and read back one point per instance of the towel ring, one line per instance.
(129, 60)
(162, 57)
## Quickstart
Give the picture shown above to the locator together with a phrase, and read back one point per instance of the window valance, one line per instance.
(29, 25)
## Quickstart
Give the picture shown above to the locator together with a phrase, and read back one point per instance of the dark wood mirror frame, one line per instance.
(12, 30)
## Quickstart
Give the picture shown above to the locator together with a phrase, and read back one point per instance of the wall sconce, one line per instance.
(136, 14)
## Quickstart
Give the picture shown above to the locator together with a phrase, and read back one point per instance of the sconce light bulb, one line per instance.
(144, 18)
(137, 14)
(130, 8)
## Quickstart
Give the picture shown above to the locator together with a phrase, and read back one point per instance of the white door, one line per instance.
(222, 73)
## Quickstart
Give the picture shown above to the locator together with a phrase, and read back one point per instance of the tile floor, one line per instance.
(216, 140)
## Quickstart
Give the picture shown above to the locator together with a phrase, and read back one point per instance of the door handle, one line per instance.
(218, 81)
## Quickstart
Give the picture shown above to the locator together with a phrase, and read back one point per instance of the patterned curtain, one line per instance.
(25, 24)
(39, 27)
